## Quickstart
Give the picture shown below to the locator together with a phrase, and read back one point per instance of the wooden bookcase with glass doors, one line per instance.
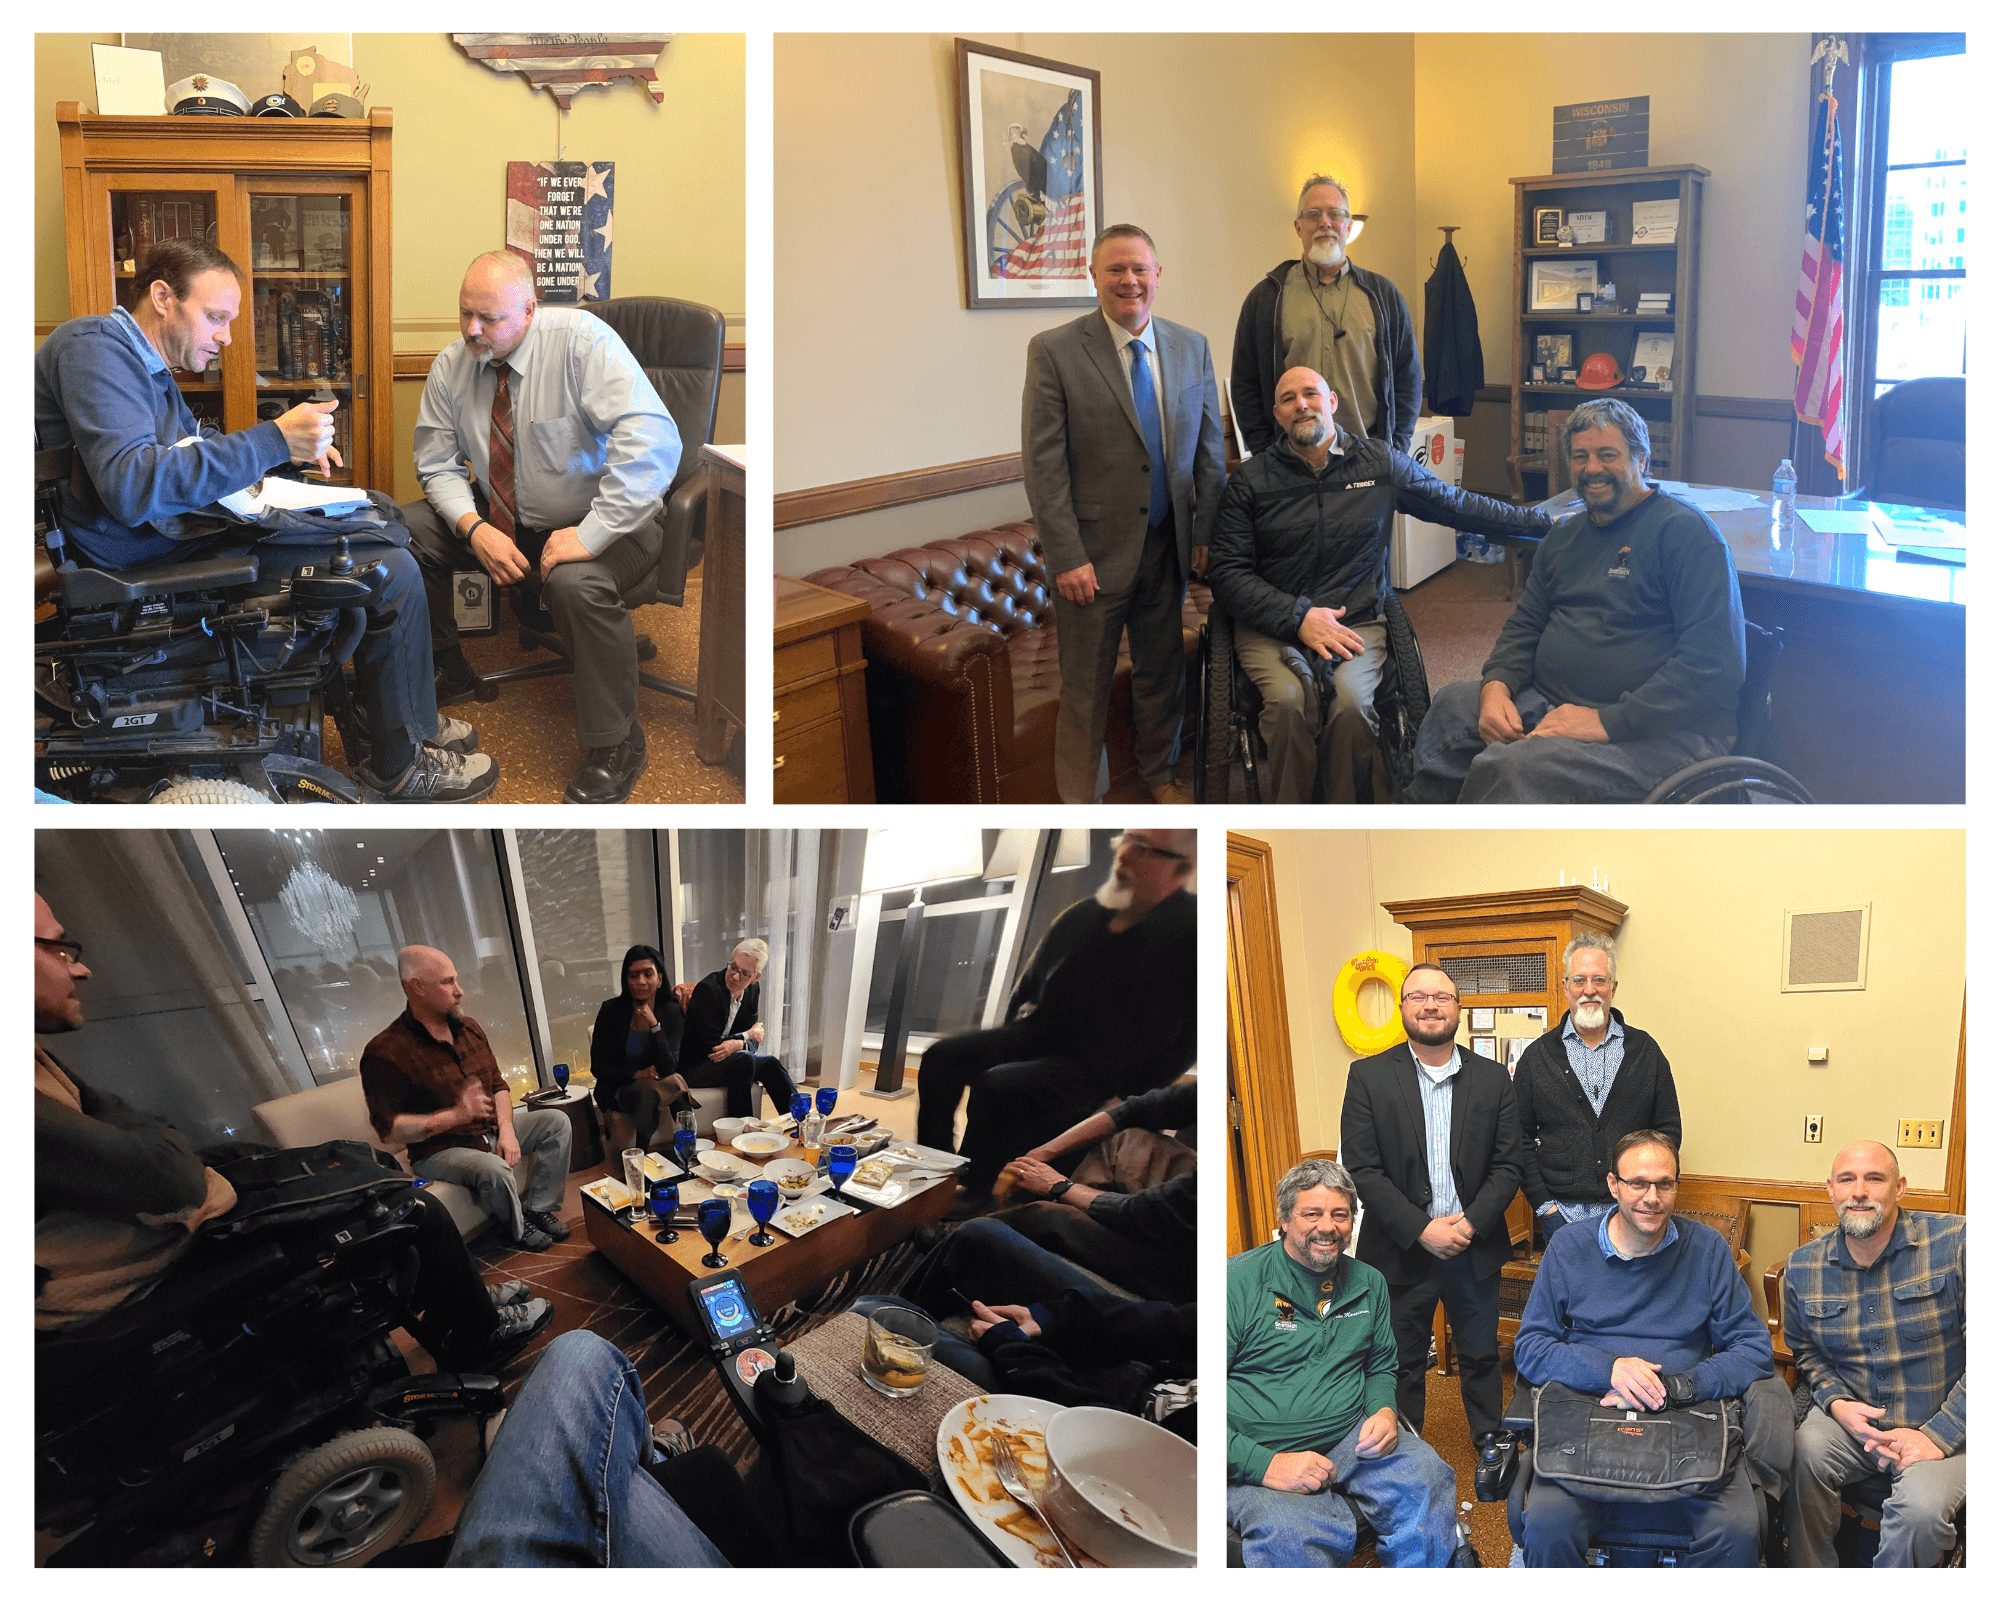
(302, 206)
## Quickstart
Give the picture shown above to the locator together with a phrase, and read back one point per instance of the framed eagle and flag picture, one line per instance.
(1032, 174)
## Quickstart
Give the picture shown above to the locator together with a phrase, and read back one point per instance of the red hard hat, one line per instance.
(1599, 372)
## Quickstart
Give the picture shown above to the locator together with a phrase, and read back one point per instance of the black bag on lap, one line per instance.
(1601, 1452)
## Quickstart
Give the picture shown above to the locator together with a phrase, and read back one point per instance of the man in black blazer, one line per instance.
(720, 1038)
(1429, 1134)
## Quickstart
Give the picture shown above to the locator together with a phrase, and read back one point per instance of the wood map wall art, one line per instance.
(566, 64)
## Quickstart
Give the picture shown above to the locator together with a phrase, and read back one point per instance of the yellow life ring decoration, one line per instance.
(1365, 1038)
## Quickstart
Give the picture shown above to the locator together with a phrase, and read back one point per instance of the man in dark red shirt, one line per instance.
(433, 1085)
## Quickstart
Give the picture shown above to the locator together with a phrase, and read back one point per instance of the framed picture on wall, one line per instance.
(1031, 176)
(1487, 1047)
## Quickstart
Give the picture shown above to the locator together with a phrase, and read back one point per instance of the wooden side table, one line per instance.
(718, 686)
(819, 713)
(586, 1143)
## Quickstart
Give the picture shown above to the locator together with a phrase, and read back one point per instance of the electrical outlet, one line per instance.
(1914, 1133)
(1815, 1126)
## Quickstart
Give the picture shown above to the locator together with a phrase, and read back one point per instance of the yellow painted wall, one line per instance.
(879, 367)
(1698, 968)
(1734, 103)
(681, 175)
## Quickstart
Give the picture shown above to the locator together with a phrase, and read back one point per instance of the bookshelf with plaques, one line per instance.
(1643, 226)
(302, 206)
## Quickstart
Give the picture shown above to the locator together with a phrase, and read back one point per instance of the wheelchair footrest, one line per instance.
(438, 1393)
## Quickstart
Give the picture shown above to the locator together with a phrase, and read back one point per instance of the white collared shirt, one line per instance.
(1145, 337)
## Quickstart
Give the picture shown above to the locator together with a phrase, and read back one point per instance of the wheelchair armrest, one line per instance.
(92, 586)
(684, 538)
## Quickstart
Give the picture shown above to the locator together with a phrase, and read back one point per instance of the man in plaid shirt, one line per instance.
(1875, 1314)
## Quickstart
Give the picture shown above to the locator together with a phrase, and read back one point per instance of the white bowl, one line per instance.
(727, 1128)
(759, 1144)
(786, 1168)
(721, 1164)
(1121, 1487)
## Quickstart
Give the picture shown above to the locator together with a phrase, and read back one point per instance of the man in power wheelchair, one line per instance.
(193, 640)
(212, 1360)
(1652, 1428)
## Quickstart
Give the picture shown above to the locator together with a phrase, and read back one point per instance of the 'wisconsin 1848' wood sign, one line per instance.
(565, 64)
(1602, 135)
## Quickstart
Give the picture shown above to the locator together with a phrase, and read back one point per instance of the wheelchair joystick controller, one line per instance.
(343, 561)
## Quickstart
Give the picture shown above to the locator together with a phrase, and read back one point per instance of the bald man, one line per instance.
(1300, 558)
(1875, 1316)
(573, 451)
(433, 1086)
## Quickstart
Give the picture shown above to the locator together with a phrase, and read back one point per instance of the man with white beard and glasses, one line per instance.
(1875, 1317)
(1105, 1009)
(1324, 312)
(1299, 557)
(1430, 1133)
(1584, 1085)
(1313, 1433)
(1623, 661)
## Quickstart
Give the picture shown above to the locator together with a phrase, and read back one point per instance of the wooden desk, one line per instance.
(777, 1274)
(718, 686)
(819, 711)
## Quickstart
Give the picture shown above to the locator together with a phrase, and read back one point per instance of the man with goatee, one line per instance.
(1430, 1133)
(1313, 1434)
(1584, 1085)
(1875, 1317)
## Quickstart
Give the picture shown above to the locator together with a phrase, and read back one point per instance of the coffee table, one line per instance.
(777, 1274)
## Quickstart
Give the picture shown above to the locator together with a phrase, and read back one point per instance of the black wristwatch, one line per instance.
(1059, 1188)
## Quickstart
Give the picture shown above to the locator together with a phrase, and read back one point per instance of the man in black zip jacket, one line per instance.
(1299, 556)
(1324, 312)
(1584, 1085)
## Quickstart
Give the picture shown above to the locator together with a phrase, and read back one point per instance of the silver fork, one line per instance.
(1008, 1470)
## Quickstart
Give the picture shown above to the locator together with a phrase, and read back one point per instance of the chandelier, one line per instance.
(321, 907)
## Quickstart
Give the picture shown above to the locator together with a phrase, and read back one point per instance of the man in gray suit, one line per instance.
(1123, 459)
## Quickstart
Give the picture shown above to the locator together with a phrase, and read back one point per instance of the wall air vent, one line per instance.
(1826, 947)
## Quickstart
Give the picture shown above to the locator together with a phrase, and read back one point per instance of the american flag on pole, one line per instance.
(1816, 318)
(1060, 245)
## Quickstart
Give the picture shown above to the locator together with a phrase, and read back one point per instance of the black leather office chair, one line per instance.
(679, 344)
(1750, 775)
(1915, 445)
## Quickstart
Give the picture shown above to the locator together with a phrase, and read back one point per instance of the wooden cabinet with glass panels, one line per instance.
(1636, 266)
(302, 206)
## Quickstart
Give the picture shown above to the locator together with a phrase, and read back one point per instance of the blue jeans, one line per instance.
(565, 1485)
(959, 1354)
(1455, 765)
(987, 1260)
(543, 1135)
(1557, 1527)
(1409, 1497)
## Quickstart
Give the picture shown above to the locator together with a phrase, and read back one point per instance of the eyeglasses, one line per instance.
(1591, 982)
(1664, 1186)
(1430, 999)
(68, 949)
(749, 975)
(1144, 849)
(1319, 214)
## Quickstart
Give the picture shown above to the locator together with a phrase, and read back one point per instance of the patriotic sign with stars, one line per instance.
(559, 218)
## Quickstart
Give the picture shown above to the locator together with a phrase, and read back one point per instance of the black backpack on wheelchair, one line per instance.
(204, 681)
(252, 1407)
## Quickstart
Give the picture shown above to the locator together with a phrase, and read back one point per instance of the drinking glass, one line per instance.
(763, 1202)
(664, 1198)
(825, 1100)
(712, 1217)
(801, 1104)
(634, 1160)
(896, 1351)
(840, 1165)
(684, 1147)
(560, 1073)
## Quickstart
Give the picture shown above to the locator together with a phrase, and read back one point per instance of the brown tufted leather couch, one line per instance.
(962, 681)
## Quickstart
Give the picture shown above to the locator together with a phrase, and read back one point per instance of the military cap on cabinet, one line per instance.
(202, 96)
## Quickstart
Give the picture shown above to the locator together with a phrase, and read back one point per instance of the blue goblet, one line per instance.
(663, 1199)
(684, 1148)
(712, 1217)
(763, 1202)
(560, 1072)
(840, 1165)
(801, 1104)
(825, 1100)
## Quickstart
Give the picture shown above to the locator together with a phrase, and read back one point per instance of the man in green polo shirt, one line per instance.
(1312, 1399)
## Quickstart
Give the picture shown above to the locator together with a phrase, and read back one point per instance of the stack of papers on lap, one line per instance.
(288, 494)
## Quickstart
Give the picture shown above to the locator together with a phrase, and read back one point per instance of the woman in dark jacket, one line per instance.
(637, 1039)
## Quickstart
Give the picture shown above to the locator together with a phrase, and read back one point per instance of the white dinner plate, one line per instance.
(976, 1488)
(788, 1220)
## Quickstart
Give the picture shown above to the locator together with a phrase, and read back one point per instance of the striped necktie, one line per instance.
(500, 455)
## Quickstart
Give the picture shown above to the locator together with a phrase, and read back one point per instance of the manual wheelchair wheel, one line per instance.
(346, 1502)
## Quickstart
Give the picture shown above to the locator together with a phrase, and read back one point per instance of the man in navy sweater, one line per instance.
(1623, 661)
(105, 387)
(1645, 1312)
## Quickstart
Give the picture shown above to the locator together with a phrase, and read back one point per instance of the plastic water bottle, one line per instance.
(1784, 496)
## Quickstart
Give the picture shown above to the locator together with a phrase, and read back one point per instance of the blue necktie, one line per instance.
(1148, 405)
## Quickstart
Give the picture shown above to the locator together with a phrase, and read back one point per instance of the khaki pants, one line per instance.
(1292, 724)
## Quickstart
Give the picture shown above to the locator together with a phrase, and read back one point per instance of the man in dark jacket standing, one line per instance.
(1324, 312)
(1429, 1133)
(1299, 556)
(1583, 1086)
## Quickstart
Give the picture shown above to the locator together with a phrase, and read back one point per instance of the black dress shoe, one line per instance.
(459, 683)
(606, 776)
